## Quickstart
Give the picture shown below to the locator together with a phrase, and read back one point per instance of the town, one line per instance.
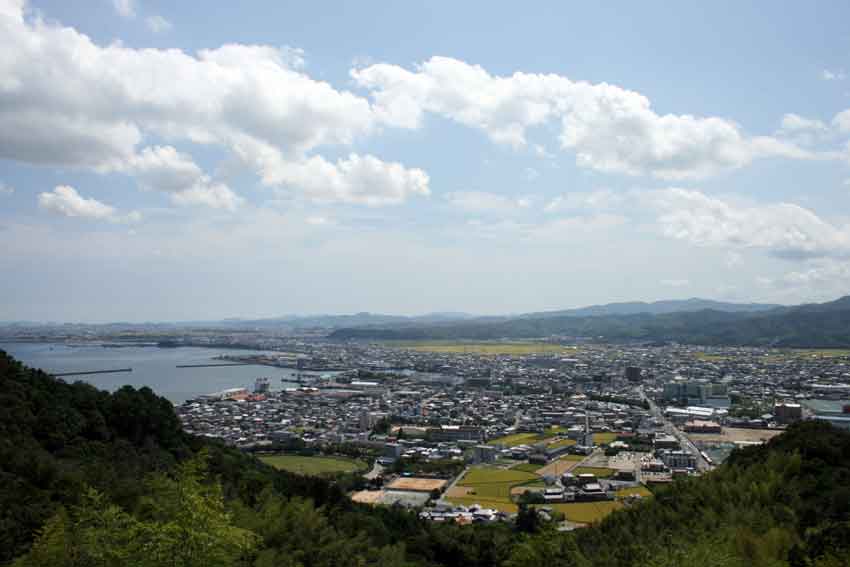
(470, 432)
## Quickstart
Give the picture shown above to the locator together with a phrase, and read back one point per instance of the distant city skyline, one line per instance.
(177, 161)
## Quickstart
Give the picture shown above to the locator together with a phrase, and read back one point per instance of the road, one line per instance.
(377, 470)
(670, 428)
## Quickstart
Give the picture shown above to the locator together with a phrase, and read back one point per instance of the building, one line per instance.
(231, 394)
(368, 419)
(696, 393)
(666, 442)
(484, 453)
(785, 412)
(632, 374)
(393, 450)
(700, 426)
(679, 459)
(454, 433)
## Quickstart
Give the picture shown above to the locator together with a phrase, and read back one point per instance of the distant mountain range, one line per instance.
(656, 308)
(692, 321)
(695, 321)
(365, 319)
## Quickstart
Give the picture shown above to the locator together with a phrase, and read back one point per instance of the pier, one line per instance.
(60, 374)
(214, 365)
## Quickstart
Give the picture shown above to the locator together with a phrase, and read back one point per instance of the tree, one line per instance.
(182, 523)
(527, 520)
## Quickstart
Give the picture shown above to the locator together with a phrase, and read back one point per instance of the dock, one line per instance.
(214, 365)
(60, 374)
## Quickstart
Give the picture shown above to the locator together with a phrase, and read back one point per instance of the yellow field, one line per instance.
(516, 439)
(501, 505)
(710, 357)
(604, 438)
(600, 472)
(822, 353)
(587, 512)
(490, 487)
(561, 443)
(575, 458)
(779, 355)
(529, 438)
(526, 467)
(637, 490)
(484, 348)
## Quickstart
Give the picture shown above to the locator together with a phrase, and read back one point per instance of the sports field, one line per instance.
(314, 466)
(484, 348)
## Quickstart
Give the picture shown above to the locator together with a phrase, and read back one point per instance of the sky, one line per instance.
(167, 161)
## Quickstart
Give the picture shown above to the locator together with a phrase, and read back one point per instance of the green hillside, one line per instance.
(90, 478)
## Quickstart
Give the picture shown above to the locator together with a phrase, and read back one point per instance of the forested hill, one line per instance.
(89, 478)
(825, 325)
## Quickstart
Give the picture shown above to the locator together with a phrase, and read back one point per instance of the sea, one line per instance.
(152, 366)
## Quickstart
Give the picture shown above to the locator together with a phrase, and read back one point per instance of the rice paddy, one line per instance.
(485, 348)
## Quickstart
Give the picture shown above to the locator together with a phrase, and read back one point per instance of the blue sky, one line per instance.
(172, 161)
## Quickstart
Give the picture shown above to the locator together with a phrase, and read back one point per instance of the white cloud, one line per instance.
(163, 168)
(158, 24)
(252, 100)
(65, 201)
(842, 121)
(125, 8)
(796, 123)
(207, 193)
(828, 75)
(318, 221)
(364, 180)
(675, 283)
(608, 128)
(822, 279)
(783, 229)
(6, 189)
(483, 202)
(531, 174)
(822, 272)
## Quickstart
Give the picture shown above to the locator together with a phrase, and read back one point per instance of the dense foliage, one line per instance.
(92, 478)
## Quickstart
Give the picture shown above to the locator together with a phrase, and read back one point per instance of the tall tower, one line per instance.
(588, 436)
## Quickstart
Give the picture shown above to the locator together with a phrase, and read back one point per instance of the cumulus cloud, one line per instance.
(364, 180)
(608, 128)
(784, 230)
(65, 201)
(163, 168)
(158, 24)
(6, 189)
(252, 100)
